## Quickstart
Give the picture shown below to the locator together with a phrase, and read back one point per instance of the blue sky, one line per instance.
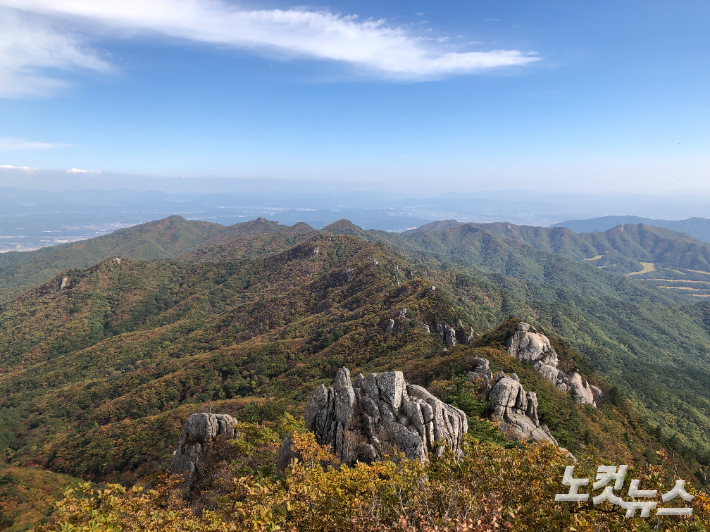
(436, 96)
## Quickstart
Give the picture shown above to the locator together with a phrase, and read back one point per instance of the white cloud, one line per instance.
(11, 167)
(29, 48)
(14, 143)
(82, 171)
(368, 45)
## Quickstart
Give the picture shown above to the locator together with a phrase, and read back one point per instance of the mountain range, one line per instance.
(697, 227)
(106, 345)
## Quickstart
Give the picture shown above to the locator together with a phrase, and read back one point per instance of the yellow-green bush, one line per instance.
(490, 488)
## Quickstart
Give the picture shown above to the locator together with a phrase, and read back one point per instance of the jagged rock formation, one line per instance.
(451, 336)
(481, 373)
(447, 333)
(516, 410)
(528, 344)
(371, 416)
(197, 433)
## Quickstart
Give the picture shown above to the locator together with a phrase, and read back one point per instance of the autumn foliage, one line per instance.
(490, 488)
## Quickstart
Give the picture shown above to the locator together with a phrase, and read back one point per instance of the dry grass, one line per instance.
(647, 267)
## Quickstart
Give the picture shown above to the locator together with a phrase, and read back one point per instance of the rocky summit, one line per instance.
(374, 416)
(528, 344)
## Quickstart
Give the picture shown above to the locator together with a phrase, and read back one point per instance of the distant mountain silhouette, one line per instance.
(697, 227)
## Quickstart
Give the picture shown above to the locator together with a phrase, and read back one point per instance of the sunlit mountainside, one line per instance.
(662, 257)
(107, 345)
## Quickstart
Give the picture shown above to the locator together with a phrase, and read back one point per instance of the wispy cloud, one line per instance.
(82, 171)
(14, 143)
(371, 46)
(11, 167)
(30, 49)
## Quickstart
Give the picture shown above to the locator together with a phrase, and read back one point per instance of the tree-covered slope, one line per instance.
(102, 367)
(103, 372)
(658, 256)
(127, 347)
(162, 239)
(696, 227)
(652, 343)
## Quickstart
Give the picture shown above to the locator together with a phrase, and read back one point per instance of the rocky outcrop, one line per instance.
(480, 373)
(451, 336)
(584, 392)
(516, 410)
(528, 344)
(197, 433)
(447, 333)
(375, 415)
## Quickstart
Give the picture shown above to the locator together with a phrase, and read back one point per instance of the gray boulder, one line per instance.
(480, 373)
(197, 433)
(528, 344)
(516, 411)
(585, 395)
(375, 415)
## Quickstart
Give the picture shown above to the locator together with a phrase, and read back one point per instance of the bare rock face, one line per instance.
(516, 411)
(528, 344)
(372, 416)
(480, 373)
(584, 391)
(451, 336)
(447, 333)
(197, 433)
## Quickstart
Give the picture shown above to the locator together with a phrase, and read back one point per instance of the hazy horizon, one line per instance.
(423, 96)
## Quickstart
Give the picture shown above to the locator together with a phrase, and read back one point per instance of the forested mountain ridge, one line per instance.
(635, 334)
(655, 255)
(162, 239)
(104, 368)
(123, 341)
(696, 227)
(100, 366)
